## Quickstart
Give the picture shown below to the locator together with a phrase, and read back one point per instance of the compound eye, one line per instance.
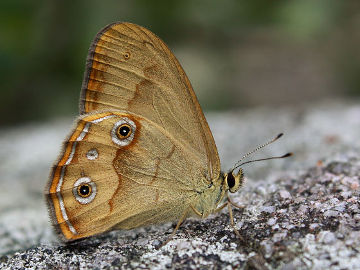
(230, 180)
(84, 190)
(234, 182)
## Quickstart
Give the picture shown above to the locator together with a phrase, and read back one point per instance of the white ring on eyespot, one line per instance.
(128, 140)
(79, 182)
(92, 154)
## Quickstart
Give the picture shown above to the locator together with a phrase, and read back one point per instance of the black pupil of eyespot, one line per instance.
(230, 180)
(84, 190)
(124, 131)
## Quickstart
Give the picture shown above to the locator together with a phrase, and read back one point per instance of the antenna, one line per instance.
(256, 149)
(261, 159)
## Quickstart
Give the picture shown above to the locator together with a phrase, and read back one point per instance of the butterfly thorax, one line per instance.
(211, 197)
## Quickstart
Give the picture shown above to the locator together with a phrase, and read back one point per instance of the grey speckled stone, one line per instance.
(300, 213)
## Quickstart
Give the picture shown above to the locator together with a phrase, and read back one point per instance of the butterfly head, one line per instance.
(233, 181)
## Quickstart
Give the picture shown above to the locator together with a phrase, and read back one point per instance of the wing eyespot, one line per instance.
(84, 190)
(126, 55)
(123, 132)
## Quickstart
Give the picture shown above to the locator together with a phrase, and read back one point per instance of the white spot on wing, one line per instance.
(92, 154)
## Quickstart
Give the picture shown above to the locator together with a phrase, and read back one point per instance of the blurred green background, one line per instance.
(236, 53)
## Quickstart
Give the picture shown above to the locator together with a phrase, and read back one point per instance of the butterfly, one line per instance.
(141, 151)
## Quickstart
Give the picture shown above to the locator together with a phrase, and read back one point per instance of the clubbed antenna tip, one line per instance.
(287, 155)
(278, 136)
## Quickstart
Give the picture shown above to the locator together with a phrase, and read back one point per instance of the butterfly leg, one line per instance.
(181, 220)
(234, 204)
(229, 204)
(221, 207)
(232, 223)
(197, 212)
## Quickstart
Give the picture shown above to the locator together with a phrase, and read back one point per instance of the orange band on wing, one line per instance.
(96, 76)
(79, 134)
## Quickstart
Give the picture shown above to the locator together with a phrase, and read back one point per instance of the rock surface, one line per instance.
(299, 213)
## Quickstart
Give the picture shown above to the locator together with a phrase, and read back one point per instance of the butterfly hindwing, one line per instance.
(133, 182)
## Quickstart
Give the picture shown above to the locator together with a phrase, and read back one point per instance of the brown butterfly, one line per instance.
(141, 152)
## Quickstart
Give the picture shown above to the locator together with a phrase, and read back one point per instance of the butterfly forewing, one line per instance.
(130, 68)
